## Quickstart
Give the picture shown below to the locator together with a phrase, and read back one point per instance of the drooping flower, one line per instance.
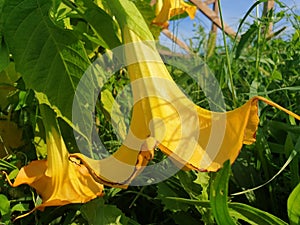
(164, 117)
(166, 9)
(56, 179)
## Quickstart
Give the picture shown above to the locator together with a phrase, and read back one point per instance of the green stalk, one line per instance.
(227, 57)
(257, 57)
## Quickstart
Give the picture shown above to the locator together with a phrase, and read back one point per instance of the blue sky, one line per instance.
(233, 11)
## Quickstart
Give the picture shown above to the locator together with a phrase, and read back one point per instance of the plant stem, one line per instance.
(227, 56)
(257, 57)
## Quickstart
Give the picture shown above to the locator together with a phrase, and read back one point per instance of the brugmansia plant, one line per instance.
(167, 9)
(163, 117)
(167, 119)
(56, 179)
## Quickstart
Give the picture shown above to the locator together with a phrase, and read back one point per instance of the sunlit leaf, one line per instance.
(294, 206)
(20, 207)
(102, 23)
(111, 107)
(126, 14)
(5, 205)
(246, 39)
(258, 216)
(218, 196)
(51, 59)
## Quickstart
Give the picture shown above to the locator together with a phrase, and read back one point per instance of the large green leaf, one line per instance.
(8, 77)
(4, 54)
(294, 206)
(148, 13)
(218, 196)
(127, 14)
(239, 211)
(98, 213)
(102, 23)
(5, 205)
(255, 215)
(50, 59)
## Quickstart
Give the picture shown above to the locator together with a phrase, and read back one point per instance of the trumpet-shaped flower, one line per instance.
(57, 180)
(164, 117)
(166, 9)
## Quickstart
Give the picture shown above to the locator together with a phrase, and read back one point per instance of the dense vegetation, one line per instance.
(45, 48)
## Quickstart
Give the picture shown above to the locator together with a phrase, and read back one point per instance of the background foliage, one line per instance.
(45, 47)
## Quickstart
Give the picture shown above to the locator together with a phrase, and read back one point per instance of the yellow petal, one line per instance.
(170, 8)
(195, 138)
(119, 169)
(58, 180)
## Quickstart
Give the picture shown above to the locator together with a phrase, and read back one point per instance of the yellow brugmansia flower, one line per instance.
(166, 9)
(164, 117)
(57, 180)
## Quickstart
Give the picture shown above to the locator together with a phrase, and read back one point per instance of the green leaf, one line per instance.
(98, 213)
(246, 39)
(20, 207)
(187, 181)
(4, 165)
(258, 216)
(102, 23)
(168, 193)
(239, 211)
(8, 77)
(218, 196)
(112, 109)
(1, 16)
(51, 59)
(13, 174)
(204, 203)
(276, 75)
(289, 147)
(293, 205)
(127, 14)
(203, 180)
(4, 54)
(5, 205)
(148, 13)
(184, 218)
